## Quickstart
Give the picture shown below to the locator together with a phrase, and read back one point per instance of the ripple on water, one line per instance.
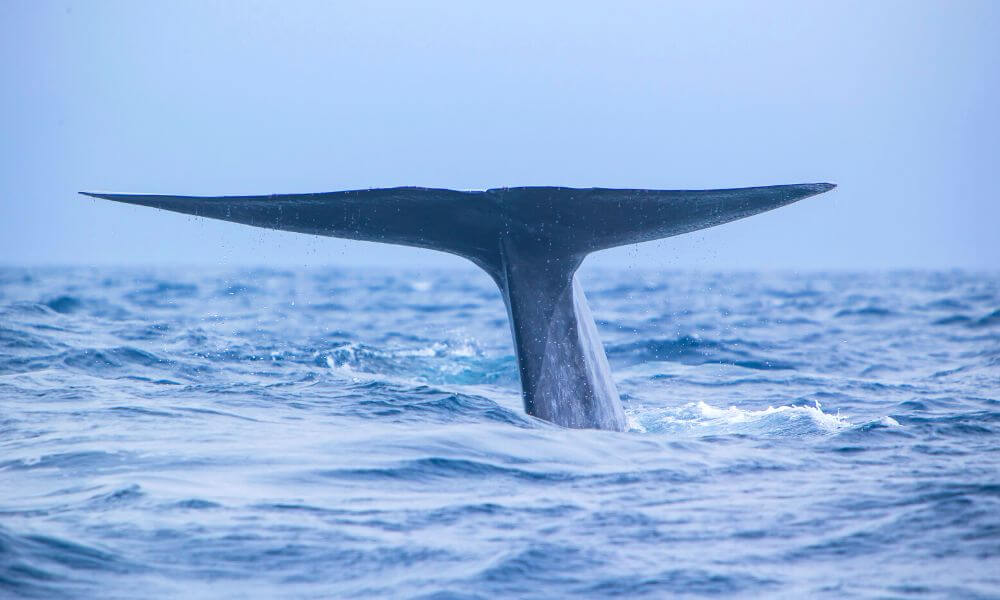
(343, 433)
(45, 566)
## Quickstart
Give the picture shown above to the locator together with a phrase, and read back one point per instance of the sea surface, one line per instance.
(325, 433)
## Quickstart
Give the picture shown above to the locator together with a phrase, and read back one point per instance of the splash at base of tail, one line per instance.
(530, 240)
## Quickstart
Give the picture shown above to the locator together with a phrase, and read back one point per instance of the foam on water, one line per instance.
(699, 418)
(338, 433)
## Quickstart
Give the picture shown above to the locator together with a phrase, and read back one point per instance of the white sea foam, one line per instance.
(125, 465)
(700, 418)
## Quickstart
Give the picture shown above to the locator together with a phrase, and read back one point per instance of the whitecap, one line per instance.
(700, 418)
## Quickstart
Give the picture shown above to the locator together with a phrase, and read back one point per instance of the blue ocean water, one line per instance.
(185, 433)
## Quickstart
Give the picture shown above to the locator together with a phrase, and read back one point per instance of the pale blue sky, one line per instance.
(896, 102)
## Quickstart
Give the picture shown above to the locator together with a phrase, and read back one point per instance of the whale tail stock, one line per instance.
(531, 240)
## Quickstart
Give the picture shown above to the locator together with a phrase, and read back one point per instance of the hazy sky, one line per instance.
(897, 102)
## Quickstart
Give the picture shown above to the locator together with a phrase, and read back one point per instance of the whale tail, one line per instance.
(531, 240)
(471, 223)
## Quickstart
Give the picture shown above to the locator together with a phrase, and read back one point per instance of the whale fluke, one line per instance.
(530, 240)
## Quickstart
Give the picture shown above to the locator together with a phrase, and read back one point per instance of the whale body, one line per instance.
(530, 240)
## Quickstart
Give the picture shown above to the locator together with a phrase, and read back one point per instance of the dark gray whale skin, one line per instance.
(530, 240)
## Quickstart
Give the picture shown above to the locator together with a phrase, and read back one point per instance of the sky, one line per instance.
(896, 102)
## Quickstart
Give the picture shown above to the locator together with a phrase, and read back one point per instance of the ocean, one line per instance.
(358, 433)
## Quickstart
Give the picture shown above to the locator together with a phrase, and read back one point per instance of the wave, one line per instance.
(701, 419)
(353, 434)
(45, 566)
(695, 350)
(868, 312)
(15, 340)
(447, 362)
(989, 320)
(414, 402)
